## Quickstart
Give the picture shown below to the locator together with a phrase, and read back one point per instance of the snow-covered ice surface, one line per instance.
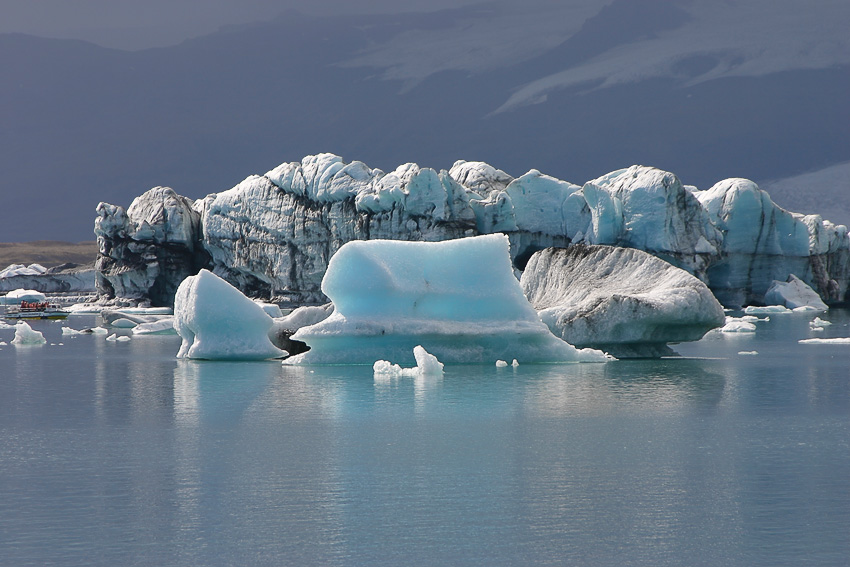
(22, 270)
(217, 322)
(740, 39)
(621, 300)
(458, 299)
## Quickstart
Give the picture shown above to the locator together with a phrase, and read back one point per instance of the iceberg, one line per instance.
(794, 294)
(766, 309)
(833, 341)
(273, 235)
(58, 279)
(217, 322)
(16, 296)
(457, 299)
(25, 335)
(763, 243)
(624, 301)
(736, 325)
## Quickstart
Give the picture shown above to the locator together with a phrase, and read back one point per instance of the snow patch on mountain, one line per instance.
(721, 39)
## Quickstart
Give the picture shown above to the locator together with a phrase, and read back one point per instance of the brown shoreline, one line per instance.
(48, 253)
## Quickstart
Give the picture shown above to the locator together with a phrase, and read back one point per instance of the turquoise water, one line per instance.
(118, 454)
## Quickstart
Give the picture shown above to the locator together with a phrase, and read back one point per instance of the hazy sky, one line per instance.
(134, 24)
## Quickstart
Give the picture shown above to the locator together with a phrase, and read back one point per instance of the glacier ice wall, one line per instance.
(273, 235)
(144, 252)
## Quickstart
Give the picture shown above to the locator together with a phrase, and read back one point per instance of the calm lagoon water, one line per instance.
(119, 454)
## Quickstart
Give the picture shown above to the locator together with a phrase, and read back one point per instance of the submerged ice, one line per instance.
(459, 300)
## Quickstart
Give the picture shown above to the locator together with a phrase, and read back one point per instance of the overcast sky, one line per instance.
(135, 24)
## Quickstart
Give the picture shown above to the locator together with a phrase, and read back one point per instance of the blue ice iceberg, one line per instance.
(458, 299)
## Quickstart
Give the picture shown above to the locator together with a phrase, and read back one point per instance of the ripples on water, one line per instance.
(119, 454)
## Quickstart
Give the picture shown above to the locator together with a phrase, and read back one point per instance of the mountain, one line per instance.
(710, 90)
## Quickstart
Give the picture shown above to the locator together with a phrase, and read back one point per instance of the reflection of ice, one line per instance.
(639, 385)
(423, 386)
(186, 392)
(218, 391)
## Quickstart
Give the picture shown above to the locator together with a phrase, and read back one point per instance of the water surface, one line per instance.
(119, 454)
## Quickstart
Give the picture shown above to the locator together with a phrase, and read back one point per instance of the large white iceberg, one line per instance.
(458, 299)
(218, 322)
(622, 300)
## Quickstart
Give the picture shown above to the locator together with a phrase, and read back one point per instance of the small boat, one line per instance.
(36, 310)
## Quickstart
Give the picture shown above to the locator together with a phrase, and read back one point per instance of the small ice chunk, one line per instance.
(426, 365)
(68, 331)
(748, 352)
(818, 322)
(25, 335)
(807, 309)
(756, 309)
(112, 338)
(123, 323)
(515, 363)
(162, 327)
(99, 331)
(6, 326)
(426, 362)
(3, 343)
(734, 325)
(501, 364)
(834, 341)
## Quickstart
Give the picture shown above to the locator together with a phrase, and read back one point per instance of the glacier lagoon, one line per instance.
(119, 453)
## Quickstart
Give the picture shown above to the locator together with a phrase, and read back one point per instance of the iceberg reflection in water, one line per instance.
(119, 453)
